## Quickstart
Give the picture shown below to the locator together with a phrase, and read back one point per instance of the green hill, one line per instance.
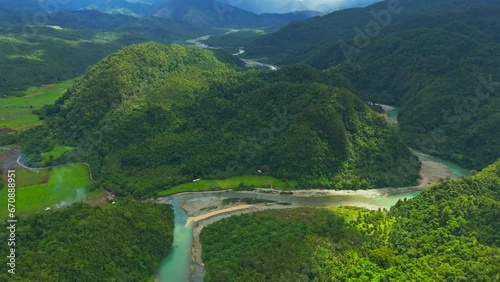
(70, 42)
(43, 55)
(152, 116)
(447, 233)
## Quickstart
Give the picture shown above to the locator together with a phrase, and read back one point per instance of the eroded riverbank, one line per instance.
(209, 207)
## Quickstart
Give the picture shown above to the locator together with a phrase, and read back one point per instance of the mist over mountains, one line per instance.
(143, 7)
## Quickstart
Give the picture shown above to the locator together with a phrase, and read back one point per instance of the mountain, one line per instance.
(435, 60)
(125, 7)
(152, 116)
(201, 13)
(287, 6)
(296, 41)
(218, 14)
(82, 19)
(447, 88)
(328, 7)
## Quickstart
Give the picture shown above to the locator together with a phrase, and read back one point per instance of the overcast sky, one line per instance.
(282, 6)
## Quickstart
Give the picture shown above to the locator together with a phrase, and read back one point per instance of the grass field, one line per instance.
(230, 183)
(26, 178)
(17, 112)
(66, 184)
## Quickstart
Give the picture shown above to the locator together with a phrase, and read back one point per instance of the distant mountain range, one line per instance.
(127, 7)
(214, 13)
(203, 13)
(143, 7)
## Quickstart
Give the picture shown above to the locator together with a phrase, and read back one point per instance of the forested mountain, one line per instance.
(206, 13)
(298, 40)
(121, 242)
(86, 19)
(448, 233)
(443, 72)
(152, 116)
(437, 61)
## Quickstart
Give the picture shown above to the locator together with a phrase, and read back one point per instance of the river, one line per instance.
(179, 265)
(198, 42)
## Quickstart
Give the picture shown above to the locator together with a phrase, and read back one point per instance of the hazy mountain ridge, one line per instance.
(197, 12)
(214, 13)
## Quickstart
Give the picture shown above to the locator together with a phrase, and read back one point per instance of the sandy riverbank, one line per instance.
(217, 212)
(431, 173)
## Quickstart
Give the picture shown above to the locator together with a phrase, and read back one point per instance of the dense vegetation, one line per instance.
(121, 242)
(298, 40)
(448, 233)
(152, 116)
(449, 85)
(440, 67)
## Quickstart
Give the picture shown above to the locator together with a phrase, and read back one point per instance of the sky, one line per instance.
(283, 6)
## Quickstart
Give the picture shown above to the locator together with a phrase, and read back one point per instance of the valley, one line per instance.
(176, 141)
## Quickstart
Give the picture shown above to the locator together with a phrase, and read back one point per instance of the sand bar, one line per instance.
(214, 213)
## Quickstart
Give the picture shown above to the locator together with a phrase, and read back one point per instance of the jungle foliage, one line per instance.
(443, 73)
(437, 60)
(121, 242)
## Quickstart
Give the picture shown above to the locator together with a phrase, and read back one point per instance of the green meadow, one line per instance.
(68, 184)
(17, 112)
(230, 183)
(26, 178)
